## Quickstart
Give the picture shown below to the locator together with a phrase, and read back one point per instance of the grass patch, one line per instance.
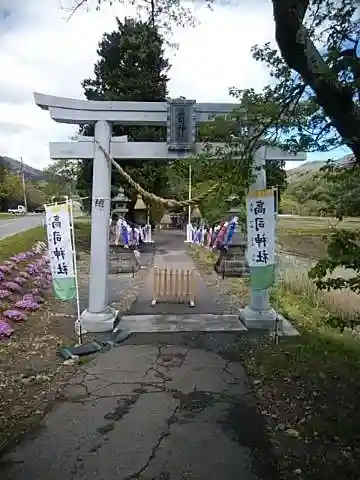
(204, 258)
(342, 307)
(306, 236)
(308, 386)
(305, 244)
(82, 235)
(21, 242)
(317, 223)
(235, 287)
(5, 216)
(307, 240)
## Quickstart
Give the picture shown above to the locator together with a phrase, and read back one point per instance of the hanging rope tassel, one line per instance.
(167, 202)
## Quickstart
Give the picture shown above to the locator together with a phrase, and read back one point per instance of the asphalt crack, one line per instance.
(170, 421)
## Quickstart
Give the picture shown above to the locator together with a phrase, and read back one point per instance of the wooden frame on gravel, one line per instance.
(173, 286)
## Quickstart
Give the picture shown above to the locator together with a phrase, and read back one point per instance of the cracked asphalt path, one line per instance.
(160, 407)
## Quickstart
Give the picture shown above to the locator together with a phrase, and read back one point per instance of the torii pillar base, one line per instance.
(261, 319)
(99, 322)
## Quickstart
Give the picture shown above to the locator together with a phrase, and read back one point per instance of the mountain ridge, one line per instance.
(307, 169)
(30, 173)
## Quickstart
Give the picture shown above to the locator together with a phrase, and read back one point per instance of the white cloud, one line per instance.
(41, 51)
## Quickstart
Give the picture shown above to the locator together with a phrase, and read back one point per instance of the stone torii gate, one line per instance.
(181, 117)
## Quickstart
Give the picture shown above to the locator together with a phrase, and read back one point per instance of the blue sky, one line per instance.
(311, 157)
(337, 153)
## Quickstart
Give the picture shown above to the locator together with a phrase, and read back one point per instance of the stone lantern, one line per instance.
(119, 203)
(236, 210)
(121, 258)
(232, 261)
(140, 210)
(165, 221)
(196, 215)
(238, 237)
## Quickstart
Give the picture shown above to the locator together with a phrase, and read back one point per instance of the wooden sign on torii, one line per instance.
(181, 117)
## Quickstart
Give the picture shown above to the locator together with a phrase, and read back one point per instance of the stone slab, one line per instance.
(287, 329)
(232, 262)
(181, 323)
(148, 247)
(254, 321)
(122, 260)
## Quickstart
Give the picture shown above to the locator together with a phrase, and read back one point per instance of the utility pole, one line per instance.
(189, 233)
(189, 190)
(23, 184)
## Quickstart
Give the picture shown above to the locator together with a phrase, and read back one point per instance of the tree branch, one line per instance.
(76, 7)
(301, 55)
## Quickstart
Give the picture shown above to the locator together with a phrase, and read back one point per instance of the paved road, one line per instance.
(15, 225)
(149, 411)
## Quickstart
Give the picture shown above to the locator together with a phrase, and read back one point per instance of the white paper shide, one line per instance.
(261, 228)
(59, 241)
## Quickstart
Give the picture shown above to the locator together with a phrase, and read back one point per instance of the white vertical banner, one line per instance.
(61, 250)
(261, 238)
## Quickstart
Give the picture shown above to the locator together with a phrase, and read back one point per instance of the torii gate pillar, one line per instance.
(99, 317)
(259, 314)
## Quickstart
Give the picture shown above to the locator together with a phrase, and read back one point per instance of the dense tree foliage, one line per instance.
(316, 72)
(343, 244)
(59, 179)
(12, 194)
(131, 67)
(321, 188)
(229, 165)
(327, 75)
(10, 189)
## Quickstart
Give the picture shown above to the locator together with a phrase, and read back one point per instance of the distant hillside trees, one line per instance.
(328, 191)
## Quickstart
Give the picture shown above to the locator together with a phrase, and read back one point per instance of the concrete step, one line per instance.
(181, 323)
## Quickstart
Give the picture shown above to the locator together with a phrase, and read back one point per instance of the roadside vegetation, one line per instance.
(308, 386)
(33, 324)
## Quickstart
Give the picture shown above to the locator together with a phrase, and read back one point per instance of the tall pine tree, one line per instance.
(131, 67)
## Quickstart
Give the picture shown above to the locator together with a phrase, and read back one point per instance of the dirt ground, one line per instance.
(307, 387)
(306, 245)
(308, 395)
(31, 375)
(306, 236)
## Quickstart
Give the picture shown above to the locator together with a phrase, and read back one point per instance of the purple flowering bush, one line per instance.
(4, 293)
(15, 315)
(5, 329)
(25, 279)
(12, 286)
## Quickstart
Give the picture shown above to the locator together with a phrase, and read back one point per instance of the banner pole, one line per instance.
(78, 326)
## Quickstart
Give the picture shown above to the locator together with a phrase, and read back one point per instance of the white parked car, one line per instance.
(20, 210)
